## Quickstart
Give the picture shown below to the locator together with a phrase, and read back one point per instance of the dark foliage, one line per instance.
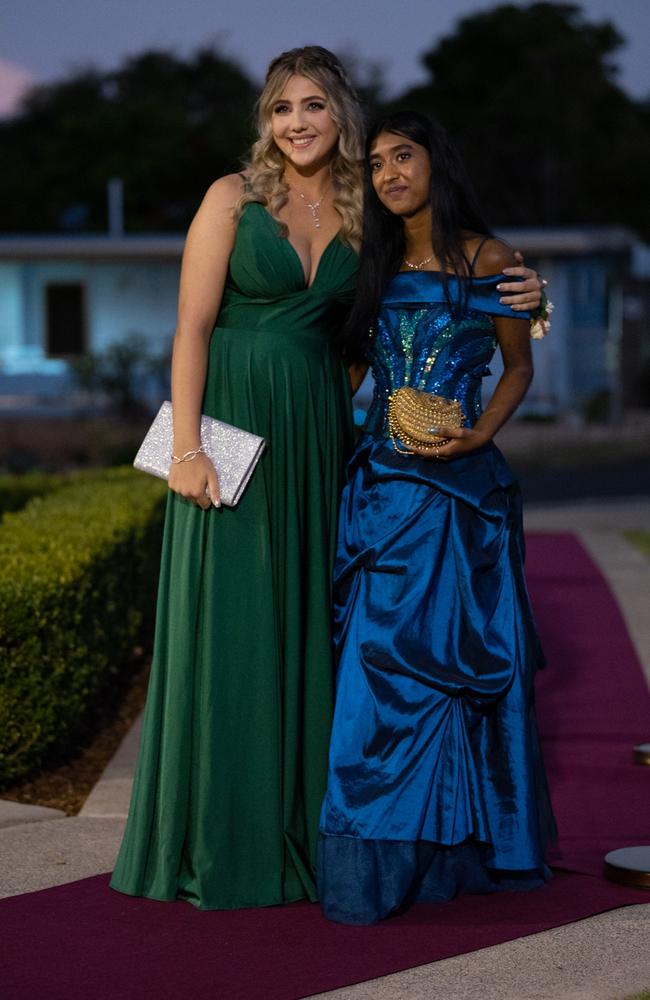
(530, 95)
(166, 126)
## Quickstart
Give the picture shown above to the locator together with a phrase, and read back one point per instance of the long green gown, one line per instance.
(233, 761)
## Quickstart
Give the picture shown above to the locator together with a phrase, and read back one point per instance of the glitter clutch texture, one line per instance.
(233, 452)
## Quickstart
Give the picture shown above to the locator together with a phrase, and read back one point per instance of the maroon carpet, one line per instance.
(81, 940)
(593, 706)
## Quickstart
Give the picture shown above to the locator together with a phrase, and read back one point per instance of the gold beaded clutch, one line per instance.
(411, 415)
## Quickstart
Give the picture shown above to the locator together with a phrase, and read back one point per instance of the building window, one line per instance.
(65, 320)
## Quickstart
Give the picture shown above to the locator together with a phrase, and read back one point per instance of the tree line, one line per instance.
(529, 93)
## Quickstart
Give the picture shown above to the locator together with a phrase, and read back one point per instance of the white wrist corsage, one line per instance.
(540, 321)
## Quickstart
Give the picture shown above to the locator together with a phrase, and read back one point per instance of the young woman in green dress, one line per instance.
(233, 762)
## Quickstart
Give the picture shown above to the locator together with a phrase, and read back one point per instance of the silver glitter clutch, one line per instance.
(233, 452)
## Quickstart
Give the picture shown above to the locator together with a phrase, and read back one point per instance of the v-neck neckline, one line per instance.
(307, 286)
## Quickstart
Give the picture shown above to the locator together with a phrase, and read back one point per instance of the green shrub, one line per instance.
(79, 571)
(16, 490)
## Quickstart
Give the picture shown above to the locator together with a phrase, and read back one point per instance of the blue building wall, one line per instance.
(574, 363)
(131, 287)
(121, 298)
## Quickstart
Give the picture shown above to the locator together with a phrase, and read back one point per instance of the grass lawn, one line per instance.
(640, 539)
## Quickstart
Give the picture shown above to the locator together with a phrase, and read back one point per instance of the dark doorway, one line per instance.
(66, 320)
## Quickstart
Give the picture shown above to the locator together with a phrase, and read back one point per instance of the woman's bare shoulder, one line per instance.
(225, 191)
(494, 254)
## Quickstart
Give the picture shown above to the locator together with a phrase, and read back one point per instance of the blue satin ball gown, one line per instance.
(436, 782)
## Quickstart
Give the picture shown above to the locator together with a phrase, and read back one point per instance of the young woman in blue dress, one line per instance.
(436, 782)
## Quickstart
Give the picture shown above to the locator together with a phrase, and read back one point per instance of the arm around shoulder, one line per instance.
(521, 287)
(513, 337)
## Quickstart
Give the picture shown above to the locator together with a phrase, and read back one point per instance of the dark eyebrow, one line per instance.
(393, 149)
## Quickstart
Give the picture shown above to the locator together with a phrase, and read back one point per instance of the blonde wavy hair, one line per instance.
(265, 167)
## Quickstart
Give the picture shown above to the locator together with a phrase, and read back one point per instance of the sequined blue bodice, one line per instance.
(421, 342)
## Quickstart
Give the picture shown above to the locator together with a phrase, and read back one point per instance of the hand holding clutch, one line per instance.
(196, 480)
(234, 452)
(414, 417)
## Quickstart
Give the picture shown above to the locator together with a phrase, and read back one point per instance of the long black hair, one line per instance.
(455, 209)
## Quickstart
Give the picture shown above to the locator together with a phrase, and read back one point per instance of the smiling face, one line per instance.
(401, 174)
(303, 128)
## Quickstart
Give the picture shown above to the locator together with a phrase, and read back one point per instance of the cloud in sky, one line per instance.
(14, 82)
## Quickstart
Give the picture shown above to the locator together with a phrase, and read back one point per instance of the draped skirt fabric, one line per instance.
(232, 768)
(436, 782)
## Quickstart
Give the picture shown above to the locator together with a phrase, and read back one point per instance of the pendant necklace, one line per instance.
(420, 264)
(313, 206)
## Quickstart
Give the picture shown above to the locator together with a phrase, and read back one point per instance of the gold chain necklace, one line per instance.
(420, 264)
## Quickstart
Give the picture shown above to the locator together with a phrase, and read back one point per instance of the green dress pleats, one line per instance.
(233, 761)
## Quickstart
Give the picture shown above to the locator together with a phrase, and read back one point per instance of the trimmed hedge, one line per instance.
(78, 584)
(16, 490)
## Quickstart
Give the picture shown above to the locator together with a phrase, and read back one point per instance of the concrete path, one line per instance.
(603, 958)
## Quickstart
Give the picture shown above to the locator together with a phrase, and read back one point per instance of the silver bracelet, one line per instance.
(188, 456)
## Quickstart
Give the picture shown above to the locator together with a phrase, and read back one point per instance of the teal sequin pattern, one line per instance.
(427, 347)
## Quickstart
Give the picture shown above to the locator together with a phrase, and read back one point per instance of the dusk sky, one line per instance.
(43, 39)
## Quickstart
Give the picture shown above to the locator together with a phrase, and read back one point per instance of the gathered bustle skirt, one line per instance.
(436, 782)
